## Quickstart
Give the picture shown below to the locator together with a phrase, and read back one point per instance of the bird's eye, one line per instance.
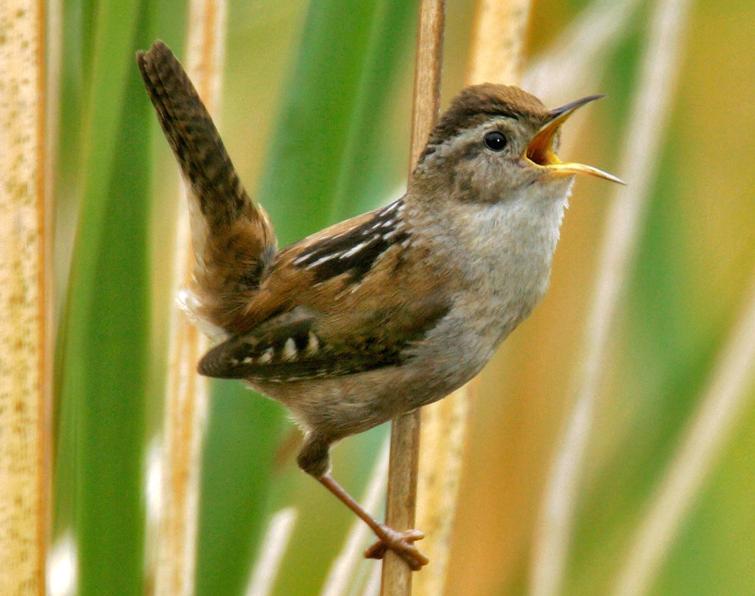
(495, 141)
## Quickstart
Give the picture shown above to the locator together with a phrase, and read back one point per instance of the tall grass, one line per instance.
(25, 349)
(187, 392)
(272, 548)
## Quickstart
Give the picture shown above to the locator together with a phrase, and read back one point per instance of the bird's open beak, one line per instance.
(540, 150)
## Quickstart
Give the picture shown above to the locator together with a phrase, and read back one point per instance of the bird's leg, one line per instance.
(400, 542)
(314, 459)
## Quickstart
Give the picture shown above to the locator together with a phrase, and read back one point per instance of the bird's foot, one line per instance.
(401, 543)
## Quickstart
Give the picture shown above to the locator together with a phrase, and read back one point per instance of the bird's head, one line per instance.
(495, 140)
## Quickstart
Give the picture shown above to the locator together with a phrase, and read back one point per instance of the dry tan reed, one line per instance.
(186, 395)
(405, 430)
(25, 349)
(498, 41)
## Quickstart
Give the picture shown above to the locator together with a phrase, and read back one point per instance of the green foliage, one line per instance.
(105, 340)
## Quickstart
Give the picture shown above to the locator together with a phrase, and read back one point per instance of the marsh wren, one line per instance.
(388, 311)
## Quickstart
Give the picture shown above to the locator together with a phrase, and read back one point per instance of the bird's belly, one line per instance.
(341, 406)
(484, 314)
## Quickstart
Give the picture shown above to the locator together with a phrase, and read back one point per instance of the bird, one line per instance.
(390, 310)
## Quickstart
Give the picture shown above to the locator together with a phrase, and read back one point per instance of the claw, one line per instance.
(402, 543)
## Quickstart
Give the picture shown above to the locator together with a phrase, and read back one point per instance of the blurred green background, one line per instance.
(315, 113)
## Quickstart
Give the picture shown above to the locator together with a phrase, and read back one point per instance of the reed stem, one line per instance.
(404, 451)
(25, 347)
(187, 392)
(445, 423)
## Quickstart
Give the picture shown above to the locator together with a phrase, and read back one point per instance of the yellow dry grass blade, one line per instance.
(186, 398)
(498, 41)
(24, 301)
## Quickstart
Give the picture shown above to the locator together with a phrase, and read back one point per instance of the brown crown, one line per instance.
(477, 103)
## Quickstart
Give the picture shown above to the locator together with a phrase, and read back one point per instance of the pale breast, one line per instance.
(502, 255)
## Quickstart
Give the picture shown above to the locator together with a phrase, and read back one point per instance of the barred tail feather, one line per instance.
(233, 240)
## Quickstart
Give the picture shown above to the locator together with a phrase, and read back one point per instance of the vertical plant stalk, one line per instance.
(724, 400)
(405, 430)
(647, 121)
(498, 41)
(401, 498)
(24, 302)
(445, 423)
(186, 399)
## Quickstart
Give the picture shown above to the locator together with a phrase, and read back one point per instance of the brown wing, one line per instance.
(294, 347)
(319, 313)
